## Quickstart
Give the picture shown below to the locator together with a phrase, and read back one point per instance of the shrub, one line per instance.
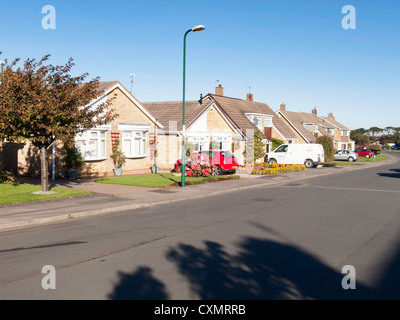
(199, 166)
(197, 169)
(117, 155)
(73, 158)
(375, 147)
(255, 148)
(329, 148)
(276, 143)
(7, 177)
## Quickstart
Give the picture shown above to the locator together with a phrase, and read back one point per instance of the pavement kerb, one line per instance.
(67, 217)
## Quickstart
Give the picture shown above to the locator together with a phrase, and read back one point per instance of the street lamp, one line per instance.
(183, 165)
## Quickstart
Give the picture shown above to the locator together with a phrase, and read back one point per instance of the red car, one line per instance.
(364, 152)
(224, 161)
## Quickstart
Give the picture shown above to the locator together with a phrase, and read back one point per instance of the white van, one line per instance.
(311, 155)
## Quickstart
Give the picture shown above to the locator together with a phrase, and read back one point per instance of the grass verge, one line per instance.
(360, 160)
(22, 193)
(161, 180)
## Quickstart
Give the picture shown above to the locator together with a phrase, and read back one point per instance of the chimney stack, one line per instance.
(330, 115)
(314, 111)
(249, 97)
(219, 91)
(283, 107)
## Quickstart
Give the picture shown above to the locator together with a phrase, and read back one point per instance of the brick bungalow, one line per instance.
(215, 121)
(135, 127)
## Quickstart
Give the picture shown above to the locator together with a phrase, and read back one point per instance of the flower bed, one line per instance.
(199, 166)
(268, 169)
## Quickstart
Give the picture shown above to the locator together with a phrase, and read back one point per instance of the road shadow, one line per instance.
(395, 173)
(139, 285)
(260, 270)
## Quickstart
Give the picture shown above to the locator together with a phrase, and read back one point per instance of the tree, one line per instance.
(44, 103)
(255, 148)
(328, 145)
(276, 143)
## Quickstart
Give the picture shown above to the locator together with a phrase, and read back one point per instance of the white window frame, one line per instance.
(135, 136)
(308, 126)
(224, 140)
(267, 121)
(252, 116)
(86, 137)
(138, 131)
(200, 142)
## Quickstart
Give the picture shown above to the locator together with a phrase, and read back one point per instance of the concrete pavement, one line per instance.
(113, 198)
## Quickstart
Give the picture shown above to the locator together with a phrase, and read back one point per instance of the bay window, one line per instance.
(92, 144)
(134, 144)
(134, 137)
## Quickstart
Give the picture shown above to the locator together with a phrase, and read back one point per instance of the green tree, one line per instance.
(255, 148)
(328, 145)
(276, 143)
(361, 139)
(43, 103)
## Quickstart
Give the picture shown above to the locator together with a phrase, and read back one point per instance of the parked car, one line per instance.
(395, 147)
(363, 152)
(310, 155)
(224, 161)
(346, 155)
(376, 152)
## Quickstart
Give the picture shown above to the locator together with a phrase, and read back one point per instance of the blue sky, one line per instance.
(288, 51)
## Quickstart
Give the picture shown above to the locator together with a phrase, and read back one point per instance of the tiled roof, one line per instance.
(335, 123)
(323, 131)
(283, 128)
(106, 85)
(298, 118)
(168, 111)
(237, 108)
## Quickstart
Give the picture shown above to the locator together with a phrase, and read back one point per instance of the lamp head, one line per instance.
(198, 28)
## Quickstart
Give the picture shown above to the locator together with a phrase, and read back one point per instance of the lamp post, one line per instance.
(183, 165)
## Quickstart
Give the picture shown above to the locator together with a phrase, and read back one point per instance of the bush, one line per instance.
(375, 147)
(7, 177)
(329, 148)
(256, 146)
(117, 155)
(276, 143)
(73, 158)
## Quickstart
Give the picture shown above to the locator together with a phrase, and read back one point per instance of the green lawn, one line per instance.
(360, 160)
(161, 180)
(22, 193)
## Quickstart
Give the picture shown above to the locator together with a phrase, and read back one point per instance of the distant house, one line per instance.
(135, 127)
(214, 122)
(206, 127)
(341, 133)
(309, 126)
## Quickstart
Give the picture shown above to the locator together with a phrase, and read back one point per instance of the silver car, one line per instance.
(346, 155)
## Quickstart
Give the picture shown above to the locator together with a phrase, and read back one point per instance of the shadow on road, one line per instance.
(140, 285)
(395, 173)
(260, 270)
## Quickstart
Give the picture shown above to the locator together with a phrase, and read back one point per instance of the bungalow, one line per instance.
(213, 122)
(134, 126)
(206, 127)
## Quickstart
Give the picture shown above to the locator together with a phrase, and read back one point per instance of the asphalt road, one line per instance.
(283, 242)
